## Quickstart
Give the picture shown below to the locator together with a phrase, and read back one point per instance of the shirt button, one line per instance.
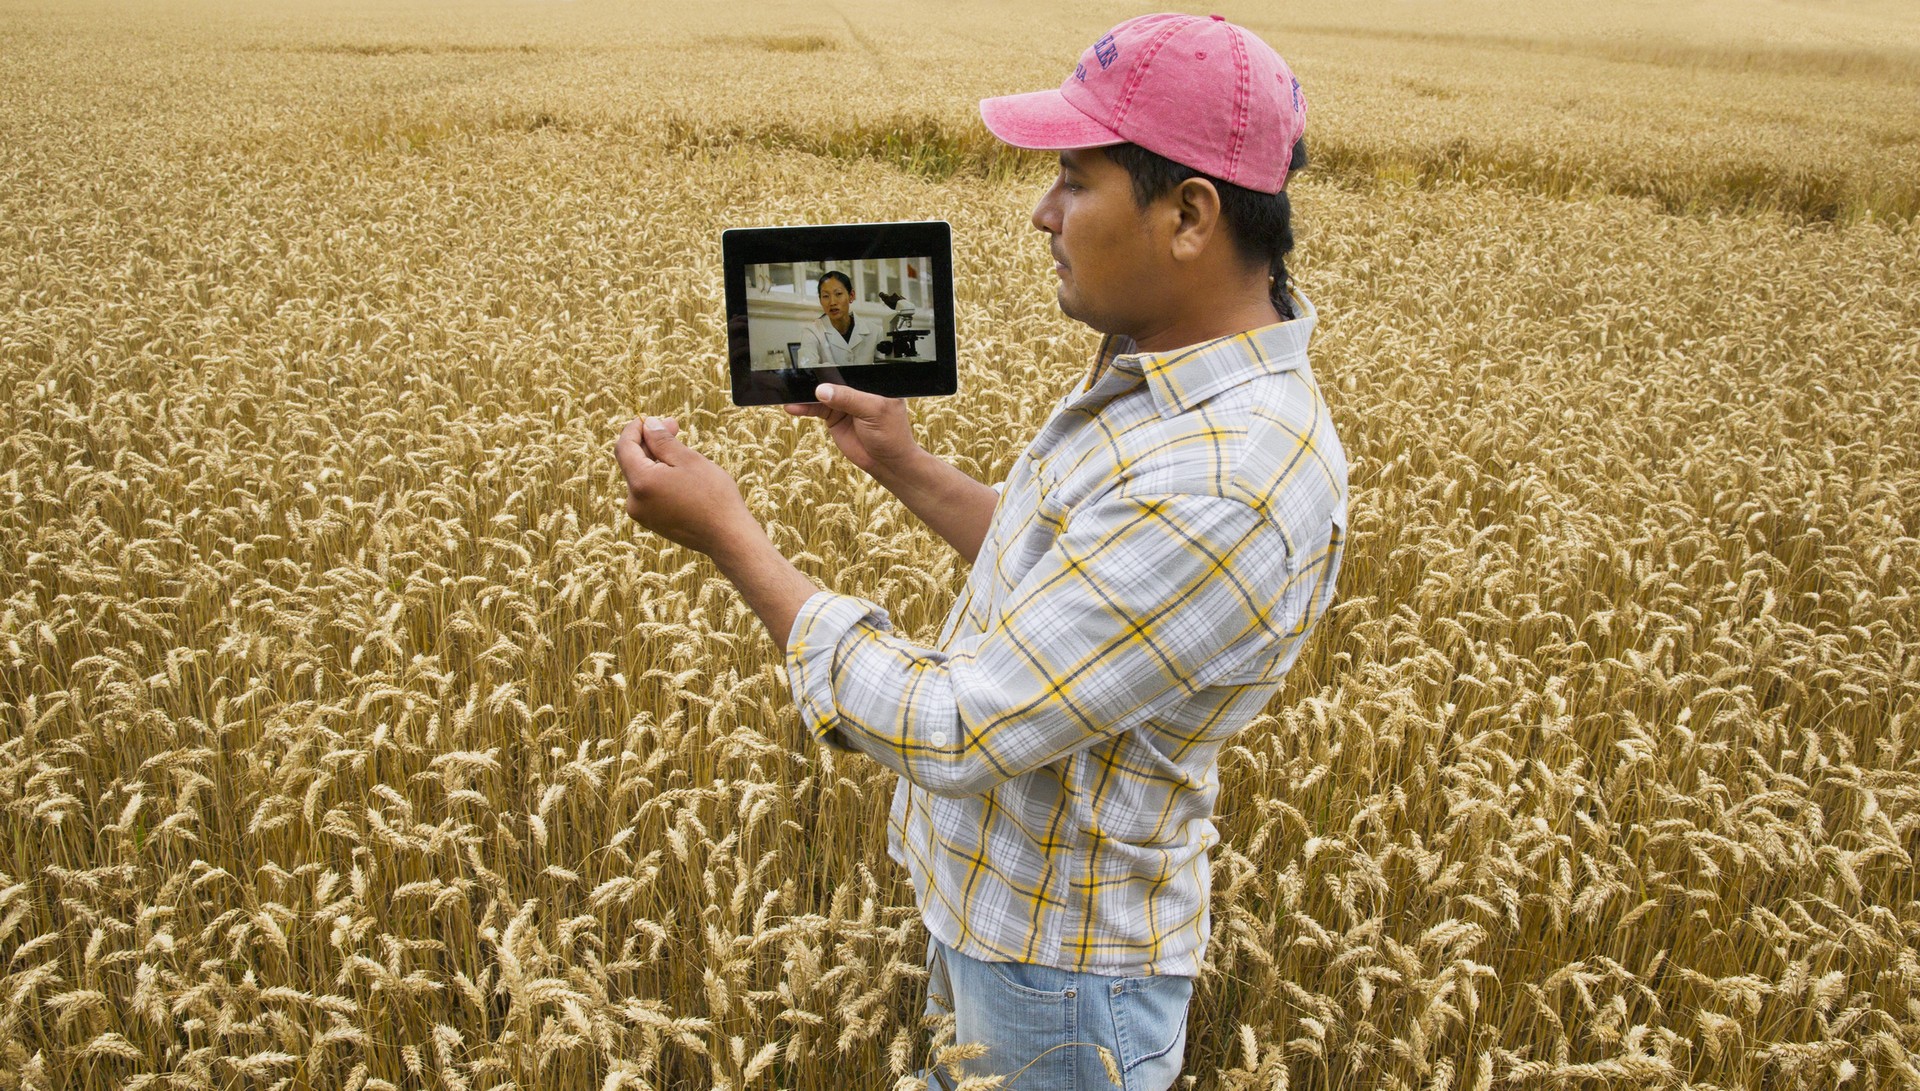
(939, 738)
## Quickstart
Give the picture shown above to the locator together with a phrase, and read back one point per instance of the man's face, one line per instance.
(835, 299)
(1101, 244)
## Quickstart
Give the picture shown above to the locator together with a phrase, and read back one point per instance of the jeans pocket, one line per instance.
(1026, 1016)
(939, 988)
(1031, 983)
(1150, 1024)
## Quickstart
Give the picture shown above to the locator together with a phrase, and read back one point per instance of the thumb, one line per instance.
(854, 403)
(663, 440)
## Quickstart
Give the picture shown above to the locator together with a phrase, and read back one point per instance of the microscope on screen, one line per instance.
(902, 339)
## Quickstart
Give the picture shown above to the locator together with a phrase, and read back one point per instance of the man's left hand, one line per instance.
(675, 492)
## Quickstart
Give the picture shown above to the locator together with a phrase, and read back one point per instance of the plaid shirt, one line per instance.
(1153, 566)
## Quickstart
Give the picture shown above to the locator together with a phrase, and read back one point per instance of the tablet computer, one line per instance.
(866, 305)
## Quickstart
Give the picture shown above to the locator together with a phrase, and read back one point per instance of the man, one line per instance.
(836, 339)
(1141, 581)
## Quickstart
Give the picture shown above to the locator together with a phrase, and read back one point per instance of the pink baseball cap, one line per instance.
(1196, 89)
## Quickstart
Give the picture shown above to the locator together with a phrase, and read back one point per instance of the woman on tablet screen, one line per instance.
(836, 338)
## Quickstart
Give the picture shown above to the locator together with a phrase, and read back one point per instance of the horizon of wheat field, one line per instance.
(351, 737)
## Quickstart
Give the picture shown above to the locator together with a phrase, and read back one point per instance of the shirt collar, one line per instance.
(853, 331)
(1184, 377)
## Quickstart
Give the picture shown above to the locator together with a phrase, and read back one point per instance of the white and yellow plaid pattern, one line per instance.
(1156, 559)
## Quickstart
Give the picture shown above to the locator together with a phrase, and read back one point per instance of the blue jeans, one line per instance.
(1021, 1012)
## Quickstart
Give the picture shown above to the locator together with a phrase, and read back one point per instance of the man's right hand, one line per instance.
(870, 430)
(873, 433)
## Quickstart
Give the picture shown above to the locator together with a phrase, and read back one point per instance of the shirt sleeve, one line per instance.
(809, 348)
(1140, 602)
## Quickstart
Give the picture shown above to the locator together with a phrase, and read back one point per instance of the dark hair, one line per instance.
(835, 274)
(1260, 224)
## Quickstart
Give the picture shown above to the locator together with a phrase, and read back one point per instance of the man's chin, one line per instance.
(1070, 307)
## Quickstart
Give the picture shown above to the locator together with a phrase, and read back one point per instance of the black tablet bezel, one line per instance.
(744, 246)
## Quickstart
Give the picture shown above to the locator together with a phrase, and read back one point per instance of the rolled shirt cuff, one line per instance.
(823, 623)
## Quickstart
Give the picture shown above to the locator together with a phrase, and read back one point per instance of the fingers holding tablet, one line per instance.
(872, 431)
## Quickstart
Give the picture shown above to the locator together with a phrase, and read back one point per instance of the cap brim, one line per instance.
(1044, 121)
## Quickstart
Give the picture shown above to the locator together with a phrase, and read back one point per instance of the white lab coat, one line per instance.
(822, 346)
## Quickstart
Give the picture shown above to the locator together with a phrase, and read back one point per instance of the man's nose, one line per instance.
(1045, 216)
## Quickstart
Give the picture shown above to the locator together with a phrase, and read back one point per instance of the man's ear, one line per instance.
(1196, 205)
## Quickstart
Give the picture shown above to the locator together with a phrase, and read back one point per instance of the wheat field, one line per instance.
(351, 737)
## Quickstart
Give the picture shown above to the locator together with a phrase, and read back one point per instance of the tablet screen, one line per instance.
(867, 305)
